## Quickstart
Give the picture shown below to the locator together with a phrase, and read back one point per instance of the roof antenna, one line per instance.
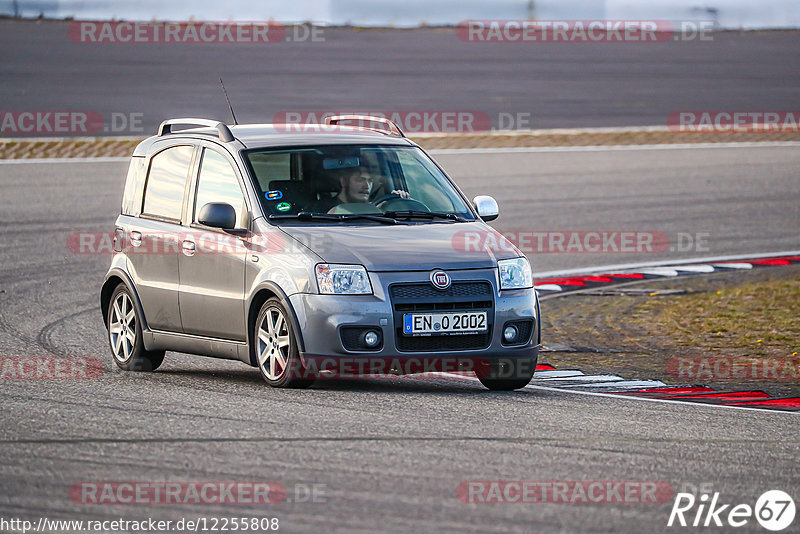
(229, 101)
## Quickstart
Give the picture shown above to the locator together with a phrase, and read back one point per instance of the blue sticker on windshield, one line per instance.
(274, 195)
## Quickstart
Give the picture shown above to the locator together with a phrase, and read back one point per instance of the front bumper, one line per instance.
(321, 317)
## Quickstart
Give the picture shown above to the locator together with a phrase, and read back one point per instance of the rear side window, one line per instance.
(218, 183)
(163, 195)
(134, 184)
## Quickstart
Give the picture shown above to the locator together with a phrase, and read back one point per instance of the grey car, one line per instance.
(328, 251)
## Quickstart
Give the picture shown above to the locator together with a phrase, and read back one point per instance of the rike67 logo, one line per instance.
(774, 510)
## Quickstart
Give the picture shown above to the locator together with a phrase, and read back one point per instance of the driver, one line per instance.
(356, 186)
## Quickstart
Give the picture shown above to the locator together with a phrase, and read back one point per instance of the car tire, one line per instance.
(275, 348)
(124, 327)
(507, 374)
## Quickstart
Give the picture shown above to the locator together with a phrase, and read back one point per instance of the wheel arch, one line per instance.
(262, 294)
(114, 278)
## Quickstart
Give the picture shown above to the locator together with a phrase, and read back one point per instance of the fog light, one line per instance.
(371, 339)
(510, 334)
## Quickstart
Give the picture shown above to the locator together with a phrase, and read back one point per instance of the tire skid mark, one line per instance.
(124, 409)
(44, 337)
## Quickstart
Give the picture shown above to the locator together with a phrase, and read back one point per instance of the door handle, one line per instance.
(188, 248)
(136, 238)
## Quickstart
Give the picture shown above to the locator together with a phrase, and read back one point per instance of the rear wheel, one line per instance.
(507, 374)
(125, 334)
(276, 349)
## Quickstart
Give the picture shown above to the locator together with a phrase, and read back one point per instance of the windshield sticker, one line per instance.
(284, 206)
(274, 195)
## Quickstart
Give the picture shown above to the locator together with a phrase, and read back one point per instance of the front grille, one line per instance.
(427, 291)
(444, 306)
(423, 297)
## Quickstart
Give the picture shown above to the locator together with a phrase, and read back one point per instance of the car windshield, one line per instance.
(354, 183)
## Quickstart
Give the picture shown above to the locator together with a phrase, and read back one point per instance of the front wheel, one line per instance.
(507, 374)
(125, 334)
(276, 348)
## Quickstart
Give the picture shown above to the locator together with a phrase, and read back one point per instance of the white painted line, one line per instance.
(548, 287)
(609, 148)
(696, 268)
(734, 265)
(639, 384)
(658, 271)
(557, 373)
(623, 384)
(23, 161)
(633, 397)
(585, 378)
(675, 263)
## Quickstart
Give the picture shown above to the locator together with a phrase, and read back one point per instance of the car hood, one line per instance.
(407, 247)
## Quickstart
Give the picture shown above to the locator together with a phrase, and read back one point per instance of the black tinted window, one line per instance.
(166, 182)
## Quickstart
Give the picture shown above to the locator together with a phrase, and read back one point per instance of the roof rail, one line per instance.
(225, 133)
(391, 128)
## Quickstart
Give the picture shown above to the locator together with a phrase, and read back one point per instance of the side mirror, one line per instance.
(218, 215)
(486, 207)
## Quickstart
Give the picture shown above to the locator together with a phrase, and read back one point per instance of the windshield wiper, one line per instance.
(409, 214)
(308, 216)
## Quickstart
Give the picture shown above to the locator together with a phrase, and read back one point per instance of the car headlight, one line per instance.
(343, 280)
(515, 274)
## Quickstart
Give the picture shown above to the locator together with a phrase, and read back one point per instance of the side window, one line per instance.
(425, 182)
(134, 185)
(218, 183)
(166, 181)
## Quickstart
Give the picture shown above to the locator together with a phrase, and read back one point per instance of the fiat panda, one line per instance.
(341, 250)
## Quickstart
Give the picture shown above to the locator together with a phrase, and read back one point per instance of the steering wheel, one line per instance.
(394, 202)
(384, 198)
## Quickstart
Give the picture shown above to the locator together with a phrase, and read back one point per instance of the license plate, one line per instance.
(418, 324)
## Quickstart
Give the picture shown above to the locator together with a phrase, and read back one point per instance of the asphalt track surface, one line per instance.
(390, 452)
(570, 84)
